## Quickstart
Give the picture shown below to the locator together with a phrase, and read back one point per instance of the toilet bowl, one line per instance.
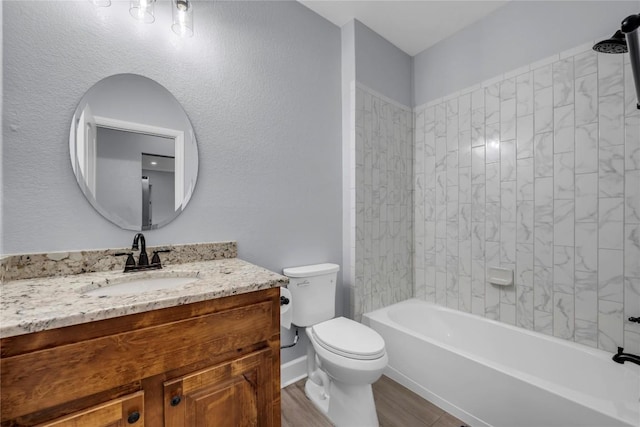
(349, 352)
(356, 362)
(344, 357)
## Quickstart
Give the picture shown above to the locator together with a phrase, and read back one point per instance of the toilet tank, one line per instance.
(313, 293)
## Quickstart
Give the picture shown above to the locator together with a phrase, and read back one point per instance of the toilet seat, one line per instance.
(348, 338)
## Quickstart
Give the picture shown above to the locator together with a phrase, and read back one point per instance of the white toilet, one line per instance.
(344, 357)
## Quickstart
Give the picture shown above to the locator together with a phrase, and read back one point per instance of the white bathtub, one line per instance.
(490, 374)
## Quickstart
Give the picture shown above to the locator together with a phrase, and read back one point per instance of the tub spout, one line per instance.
(621, 357)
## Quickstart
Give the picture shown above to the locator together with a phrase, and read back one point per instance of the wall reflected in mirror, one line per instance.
(136, 176)
(133, 152)
(158, 189)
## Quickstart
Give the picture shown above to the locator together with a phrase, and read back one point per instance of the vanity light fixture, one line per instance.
(143, 10)
(182, 18)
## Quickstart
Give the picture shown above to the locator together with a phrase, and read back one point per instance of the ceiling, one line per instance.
(412, 26)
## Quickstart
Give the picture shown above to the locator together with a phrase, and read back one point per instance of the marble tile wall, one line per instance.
(382, 190)
(537, 171)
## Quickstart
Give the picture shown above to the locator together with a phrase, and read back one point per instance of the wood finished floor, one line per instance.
(396, 405)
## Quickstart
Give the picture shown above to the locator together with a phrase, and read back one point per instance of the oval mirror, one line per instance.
(133, 152)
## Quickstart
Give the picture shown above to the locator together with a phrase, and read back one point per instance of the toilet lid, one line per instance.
(349, 338)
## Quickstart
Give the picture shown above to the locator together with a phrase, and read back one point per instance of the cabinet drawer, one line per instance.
(41, 379)
(124, 411)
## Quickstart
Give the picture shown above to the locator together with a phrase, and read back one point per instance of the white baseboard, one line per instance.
(293, 371)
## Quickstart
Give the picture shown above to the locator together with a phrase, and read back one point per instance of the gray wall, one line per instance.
(118, 172)
(260, 82)
(348, 64)
(162, 193)
(515, 35)
(1, 123)
(381, 66)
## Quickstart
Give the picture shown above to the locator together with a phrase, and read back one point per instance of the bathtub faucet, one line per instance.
(621, 357)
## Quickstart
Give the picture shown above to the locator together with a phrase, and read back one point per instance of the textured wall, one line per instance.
(348, 64)
(382, 66)
(516, 34)
(1, 123)
(383, 227)
(537, 171)
(260, 82)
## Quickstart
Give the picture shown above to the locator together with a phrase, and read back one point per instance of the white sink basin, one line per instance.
(138, 286)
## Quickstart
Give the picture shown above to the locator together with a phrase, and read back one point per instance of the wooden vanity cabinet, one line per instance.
(212, 363)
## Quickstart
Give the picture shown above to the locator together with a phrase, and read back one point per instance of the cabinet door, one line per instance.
(234, 394)
(123, 411)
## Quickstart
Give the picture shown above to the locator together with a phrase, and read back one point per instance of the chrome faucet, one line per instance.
(621, 357)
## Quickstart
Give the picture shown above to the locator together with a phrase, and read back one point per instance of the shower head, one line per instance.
(616, 44)
(626, 39)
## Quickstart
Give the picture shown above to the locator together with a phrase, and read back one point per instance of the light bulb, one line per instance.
(101, 3)
(142, 10)
(182, 18)
(182, 5)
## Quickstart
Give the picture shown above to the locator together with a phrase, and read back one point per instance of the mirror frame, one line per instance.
(82, 158)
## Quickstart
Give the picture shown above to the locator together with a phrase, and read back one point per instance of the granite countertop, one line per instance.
(39, 304)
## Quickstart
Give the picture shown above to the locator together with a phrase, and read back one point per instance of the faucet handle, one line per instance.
(620, 350)
(156, 258)
(129, 255)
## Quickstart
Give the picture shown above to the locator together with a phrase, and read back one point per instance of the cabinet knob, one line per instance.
(133, 417)
(175, 400)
